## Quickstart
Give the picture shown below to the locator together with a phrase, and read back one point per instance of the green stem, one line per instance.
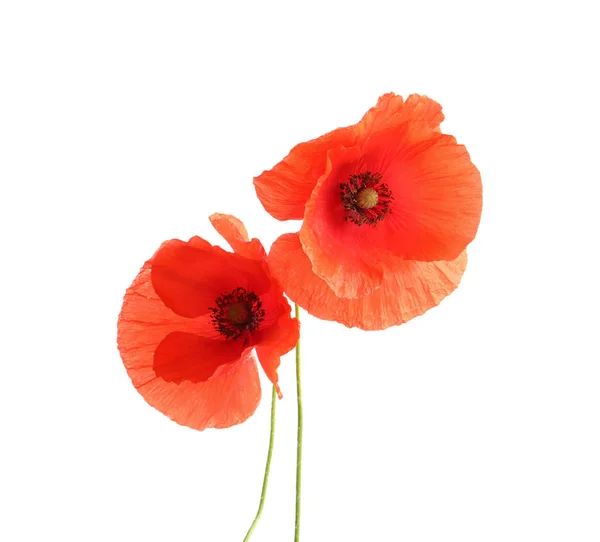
(299, 446)
(267, 467)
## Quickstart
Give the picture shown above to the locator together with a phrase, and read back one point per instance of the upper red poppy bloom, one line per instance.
(389, 206)
(190, 321)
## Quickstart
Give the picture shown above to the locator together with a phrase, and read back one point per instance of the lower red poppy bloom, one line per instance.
(387, 202)
(191, 320)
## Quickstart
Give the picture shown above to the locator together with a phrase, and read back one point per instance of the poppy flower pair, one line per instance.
(388, 206)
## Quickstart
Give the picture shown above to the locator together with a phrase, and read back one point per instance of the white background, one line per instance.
(123, 124)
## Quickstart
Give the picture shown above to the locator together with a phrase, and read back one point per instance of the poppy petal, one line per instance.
(188, 277)
(226, 398)
(234, 232)
(274, 343)
(409, 288)
(187, 356)
(393, 110)
(285, 189)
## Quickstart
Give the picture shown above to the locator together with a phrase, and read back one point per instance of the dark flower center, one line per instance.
(366, 198)
(237, 313)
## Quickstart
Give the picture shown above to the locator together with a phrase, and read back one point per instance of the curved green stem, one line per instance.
(267, 467)
(299, 445)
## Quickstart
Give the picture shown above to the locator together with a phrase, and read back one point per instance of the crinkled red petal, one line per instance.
(228, 397)
(392, 110)
(409, 288)
(285, 189)
(187, 356)
(276, 341)
(234, 232)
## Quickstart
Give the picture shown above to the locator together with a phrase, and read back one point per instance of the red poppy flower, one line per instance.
(389, 206)
(191, 320)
